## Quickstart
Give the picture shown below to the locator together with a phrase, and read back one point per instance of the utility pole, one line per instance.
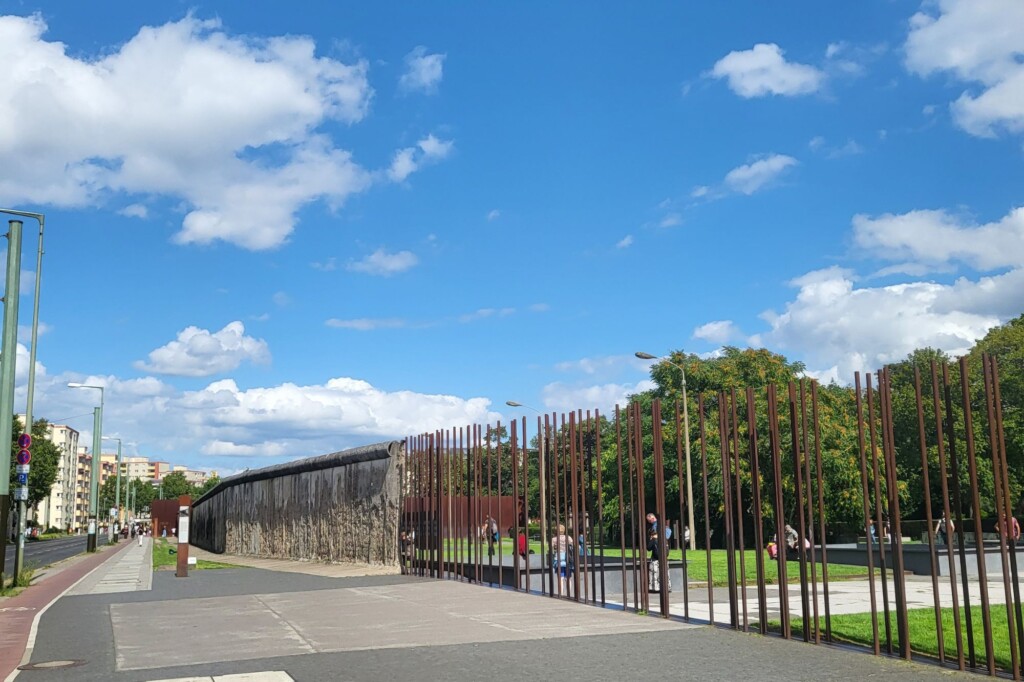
(117, 486)
(97, 437)
(7, 360)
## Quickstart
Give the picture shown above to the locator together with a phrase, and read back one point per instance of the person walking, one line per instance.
(943, 529)
(654, 547)
(561, 548)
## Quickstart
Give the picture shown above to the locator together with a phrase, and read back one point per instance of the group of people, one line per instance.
(1008, 529)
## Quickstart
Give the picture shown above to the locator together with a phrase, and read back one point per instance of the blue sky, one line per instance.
(274, 234)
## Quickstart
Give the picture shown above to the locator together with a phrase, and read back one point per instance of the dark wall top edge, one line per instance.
(363, 453)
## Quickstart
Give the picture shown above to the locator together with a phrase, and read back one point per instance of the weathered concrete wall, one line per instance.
(341, 507)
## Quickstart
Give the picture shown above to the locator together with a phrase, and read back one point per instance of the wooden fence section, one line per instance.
(340, 507)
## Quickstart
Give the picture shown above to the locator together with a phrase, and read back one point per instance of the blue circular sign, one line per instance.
(24, 441)
(24, 457)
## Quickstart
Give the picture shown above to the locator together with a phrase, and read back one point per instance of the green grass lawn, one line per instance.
(856, 628)
(698, 567)
(165, 556)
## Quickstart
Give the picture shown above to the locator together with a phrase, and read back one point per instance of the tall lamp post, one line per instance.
(686, 442)
(19, 555)
(541, 478)
(94, 488)
(117, 486)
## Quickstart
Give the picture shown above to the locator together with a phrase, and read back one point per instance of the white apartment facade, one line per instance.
(57, 510)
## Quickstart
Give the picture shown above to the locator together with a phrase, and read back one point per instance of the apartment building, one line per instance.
(83, 478)
(57, 510)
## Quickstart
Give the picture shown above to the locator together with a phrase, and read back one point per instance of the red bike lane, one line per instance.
(18, 613)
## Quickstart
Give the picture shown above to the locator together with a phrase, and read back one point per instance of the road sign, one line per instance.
(23, 479)
(24, 457)
(20, 494)
(21, 468)
(24, 441)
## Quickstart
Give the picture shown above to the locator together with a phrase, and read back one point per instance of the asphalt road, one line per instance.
(46, 552)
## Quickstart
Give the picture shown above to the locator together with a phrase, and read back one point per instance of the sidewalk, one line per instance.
(288, 625)
(18, 614)
(132, 571)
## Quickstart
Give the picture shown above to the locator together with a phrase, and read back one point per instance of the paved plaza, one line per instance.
(254, 625)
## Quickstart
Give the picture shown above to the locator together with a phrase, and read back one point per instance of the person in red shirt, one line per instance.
(1014, 528)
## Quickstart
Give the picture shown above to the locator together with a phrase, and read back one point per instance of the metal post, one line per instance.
(689, 477)
(94, 489)
(19, 556)
(686, 427)
(7, 361)
(117, 486)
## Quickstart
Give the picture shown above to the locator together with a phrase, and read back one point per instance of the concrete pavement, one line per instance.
(226, 622)
(19, 614)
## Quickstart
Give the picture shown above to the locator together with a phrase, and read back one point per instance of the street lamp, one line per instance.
(94, 496)
(19, 555)
(541, 477)
(686, 441)
(117, 494)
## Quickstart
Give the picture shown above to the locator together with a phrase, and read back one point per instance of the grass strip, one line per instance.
(165, 556)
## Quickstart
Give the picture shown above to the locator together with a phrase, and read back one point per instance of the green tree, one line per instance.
(45, 460)
(108, 495)
(143, 493)
(175, 485)
(1006, 344)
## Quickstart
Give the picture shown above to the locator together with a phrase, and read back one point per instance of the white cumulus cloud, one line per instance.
(935, 238)
(423, 71)
(199, 353)
(719, 331)
(180, 110)
(279, 421)
(604, 397)
(410, 159)
(833, 322)
(751, 177)
(384, 263)
(763, 70)
(981, 43)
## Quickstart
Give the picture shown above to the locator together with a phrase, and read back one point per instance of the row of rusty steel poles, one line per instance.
(454, 479)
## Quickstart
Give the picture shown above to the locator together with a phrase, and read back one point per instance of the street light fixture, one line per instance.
(94, 497)
(117, 487)
(686, 441)
(19, 555)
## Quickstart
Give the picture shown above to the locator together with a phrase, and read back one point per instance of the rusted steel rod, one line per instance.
(927, 492)
(659, 497)
(879, 512)
(947, 515)
(821, 511)
(865, 502)
(979, 545)
(622, 515)
(707, 507)
(1002, 512)
(958, 506)
(1015, 581)
(794, 424)
(755, 491)
(725, 463)
(739, 507)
